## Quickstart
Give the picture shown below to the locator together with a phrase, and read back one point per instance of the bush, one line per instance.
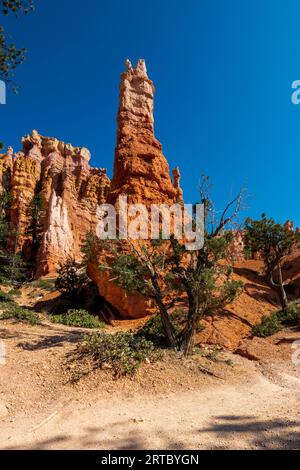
(5, 296)
(8, 296)
(71, 278)
(20, 314)
(275, 322)
(78, 318)
(268, 326)
(15, 292)
(291, 316)
(122, 352)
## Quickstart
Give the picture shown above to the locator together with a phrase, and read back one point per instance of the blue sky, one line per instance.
(222, 70)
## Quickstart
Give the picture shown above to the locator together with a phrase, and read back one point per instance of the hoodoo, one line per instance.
(141, 172)
(72, 190)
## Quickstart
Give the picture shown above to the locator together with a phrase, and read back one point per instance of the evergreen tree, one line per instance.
(71, 277)
(164, 267)
(36, 208)
(5, 202)
(274, 242)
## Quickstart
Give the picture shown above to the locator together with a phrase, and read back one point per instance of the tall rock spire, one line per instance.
(140, 169)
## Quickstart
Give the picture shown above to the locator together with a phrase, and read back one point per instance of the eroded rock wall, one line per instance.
(71, 192)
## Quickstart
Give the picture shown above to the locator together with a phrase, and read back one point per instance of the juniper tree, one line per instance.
(163, 269)
(5, 202)
(36, 208)
(274, 242)
(71, 278)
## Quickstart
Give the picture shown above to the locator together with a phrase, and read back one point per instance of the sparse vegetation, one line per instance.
(9, 295)
(78, 318)
(274, 242)
(290, 316)
(12, 311)
(277, 320)
(5, 296)
(122, 352)
(46, 284)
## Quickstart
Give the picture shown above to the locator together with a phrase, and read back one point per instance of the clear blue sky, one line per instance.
(222, 69)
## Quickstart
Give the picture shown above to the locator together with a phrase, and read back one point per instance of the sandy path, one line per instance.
(254, 414)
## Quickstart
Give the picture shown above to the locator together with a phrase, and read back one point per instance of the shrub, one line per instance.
(290, 316)
(122, 352)
(78, 318)
(275, 322)
(20, 314)
(70, 278)
(15, 292)
(268, 326)
(5, 296)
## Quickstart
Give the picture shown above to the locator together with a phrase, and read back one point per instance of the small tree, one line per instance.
(36, 208)
(274, 242)
(14, 269)
(70, 278)
(159, 268)
(5, 202)
(88, 247)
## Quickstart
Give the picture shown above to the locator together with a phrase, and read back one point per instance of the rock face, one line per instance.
(70, 190)
(141, 172)
(128, 306)
(237, 246)
(6, 164)
(60, 175)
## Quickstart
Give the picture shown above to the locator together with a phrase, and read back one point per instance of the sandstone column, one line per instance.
(140, 169)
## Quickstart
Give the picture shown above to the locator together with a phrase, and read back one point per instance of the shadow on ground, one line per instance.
(259, 434)
(225, 433)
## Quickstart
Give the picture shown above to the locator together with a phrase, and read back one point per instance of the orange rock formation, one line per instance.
(71, 191)
(141, 171)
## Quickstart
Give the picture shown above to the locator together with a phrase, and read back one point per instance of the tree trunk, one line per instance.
(169, 330)
(283, 296)
(168, 327)
(188, 338)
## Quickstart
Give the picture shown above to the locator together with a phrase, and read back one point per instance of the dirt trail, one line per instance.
(168, 405)
(254, 414)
